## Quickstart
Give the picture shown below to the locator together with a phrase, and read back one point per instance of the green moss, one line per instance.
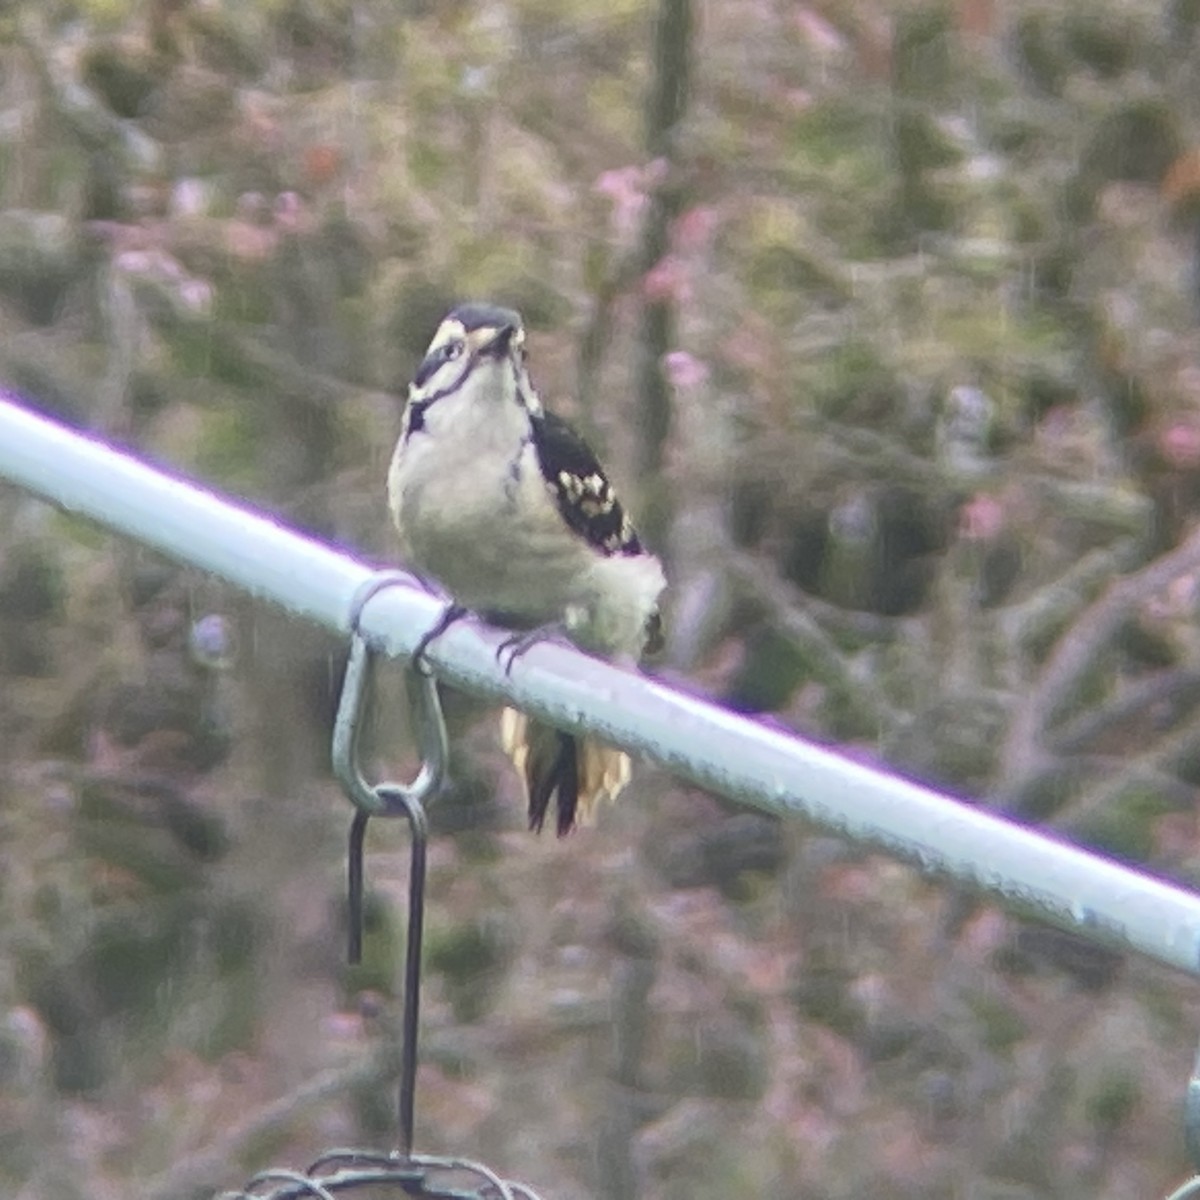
(133, 952)
(1105, 41)
(790, 268)
(406, 306)
(150, 854)
(1113, 1099)
(731, 1064)
(428, 163)
(839, 147)
(837, 131)
(1039, 50)
(236, 936)
(925, 53)
(822, 994)
(375, 1111)
(472, 958)
(850, 376)
(382, 949)
(219, 1017)
(107, 12)
(719, 1058)
(1126, 826)
(921, 144)
(1138, 140)
(228, 450)
(124, 75)
(1000, 1026)
(31, 581)
(773, 668)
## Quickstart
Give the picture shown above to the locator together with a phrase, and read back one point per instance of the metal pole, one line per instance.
(737, 757)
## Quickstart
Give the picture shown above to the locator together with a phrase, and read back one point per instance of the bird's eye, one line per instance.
(436, 359)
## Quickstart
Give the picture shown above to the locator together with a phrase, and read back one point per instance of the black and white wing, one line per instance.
(585, 498)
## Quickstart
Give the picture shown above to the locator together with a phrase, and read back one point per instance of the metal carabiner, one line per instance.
(391, 800)
(426, 715)
(1191, 1114)
(1191, 1134)
(380, 799)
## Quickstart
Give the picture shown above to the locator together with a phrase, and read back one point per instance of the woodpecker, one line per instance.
(505, 505)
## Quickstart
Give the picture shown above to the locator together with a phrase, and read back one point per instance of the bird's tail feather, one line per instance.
(577, 773)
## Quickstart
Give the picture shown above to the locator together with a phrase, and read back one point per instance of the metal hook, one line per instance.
(432, 740)
(1191, 1133)
(391, 800)
(1191, 1114)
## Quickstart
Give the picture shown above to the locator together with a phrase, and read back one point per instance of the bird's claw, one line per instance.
(426, 584)
(380, 581)
(451, 613)
(514, 646)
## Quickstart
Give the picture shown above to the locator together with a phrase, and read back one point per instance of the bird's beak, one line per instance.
(499, 344)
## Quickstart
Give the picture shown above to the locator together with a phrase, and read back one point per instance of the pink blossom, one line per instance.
(981, 518)
(629, 190)
(684, 370)
(667, 280)
(798, 99)
(743, 348)
(292, 214)
(819, 33)
(196, 295)
(190, 198)
(618, 183)
(654, 173)
(1179, 444)
(693, 229)
(1176, 602)
(135, 262)
(1187, 382)
(344, 1026)
(252, 243)
(152, 263)
(1175, 835)
(624, 187)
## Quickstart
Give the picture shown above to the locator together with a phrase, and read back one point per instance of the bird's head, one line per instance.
(477, 358)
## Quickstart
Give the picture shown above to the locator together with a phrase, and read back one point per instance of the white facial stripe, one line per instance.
(478, 338)
(447, 331)
(452, 375)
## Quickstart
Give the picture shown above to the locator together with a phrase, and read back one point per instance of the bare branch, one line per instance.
(1153, 770)
(831, 617)
(88, 118)
(665, 110)
(1180, 688)
(794, 617)
(207, 1167)
(279, 371)
(1076, 652)
(1051, 607)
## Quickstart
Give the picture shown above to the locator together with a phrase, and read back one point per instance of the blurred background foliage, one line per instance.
(884, 314)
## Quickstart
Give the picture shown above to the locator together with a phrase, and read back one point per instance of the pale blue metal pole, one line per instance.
(84, 475)
(737, 757)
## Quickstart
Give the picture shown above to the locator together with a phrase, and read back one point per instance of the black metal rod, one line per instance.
(419, 829)
(354, 887)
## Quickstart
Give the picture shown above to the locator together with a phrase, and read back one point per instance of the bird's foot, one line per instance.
(381, 581)
(426, 584)
(451, 613)
(513, 647)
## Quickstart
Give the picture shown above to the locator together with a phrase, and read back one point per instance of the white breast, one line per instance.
(475, 513)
